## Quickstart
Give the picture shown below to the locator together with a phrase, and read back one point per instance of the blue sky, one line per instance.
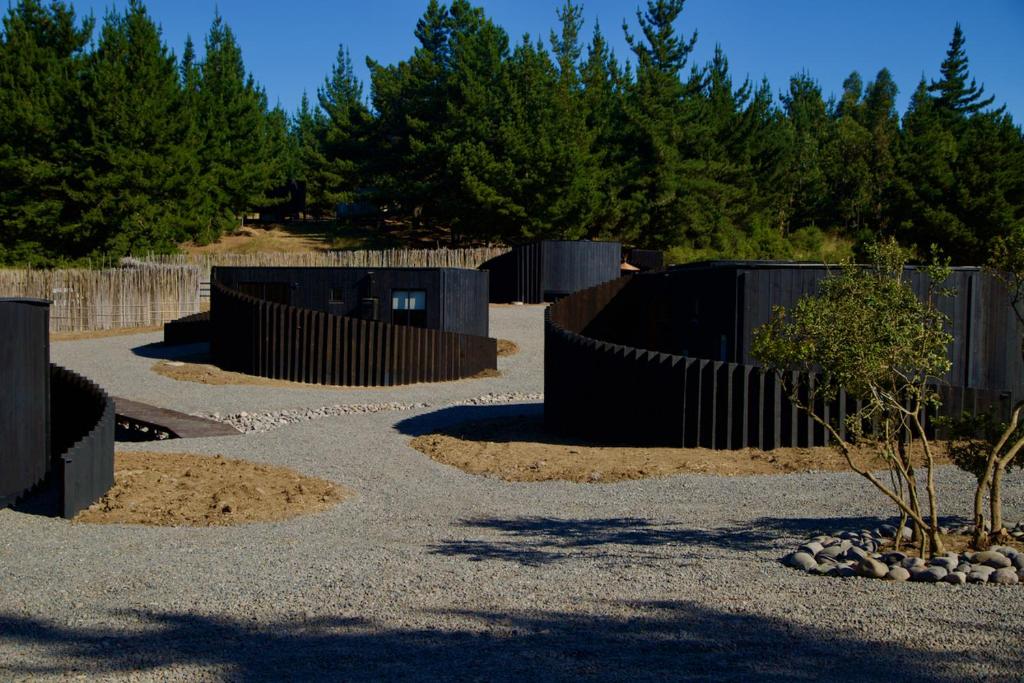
(290, 46)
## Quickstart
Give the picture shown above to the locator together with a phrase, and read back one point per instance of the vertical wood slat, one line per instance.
(297, 344)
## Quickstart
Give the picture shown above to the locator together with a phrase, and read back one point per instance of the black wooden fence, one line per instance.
(188, 330)
(82, 438)
(549, 269)
(262, 338)
(24, 396)
(622, 394)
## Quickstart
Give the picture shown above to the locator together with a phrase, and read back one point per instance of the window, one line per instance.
(409, 307)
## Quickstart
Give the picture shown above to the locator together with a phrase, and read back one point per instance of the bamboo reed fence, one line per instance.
(366, 258)
(147, 294)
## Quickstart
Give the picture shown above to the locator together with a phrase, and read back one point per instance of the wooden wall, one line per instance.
(303, 345)
(24, 396)
(711, 310)
(83, 440)
(456, 298)
(546, 270)
(603, 389)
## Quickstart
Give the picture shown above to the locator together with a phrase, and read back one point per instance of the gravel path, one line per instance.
(121, 365)
(432, 573)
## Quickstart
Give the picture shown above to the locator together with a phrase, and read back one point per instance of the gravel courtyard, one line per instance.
(432, 573)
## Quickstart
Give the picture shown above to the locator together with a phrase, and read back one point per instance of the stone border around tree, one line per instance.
(862, 553)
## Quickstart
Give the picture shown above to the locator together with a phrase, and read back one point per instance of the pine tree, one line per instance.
(603, 94)
(343, 135)
(412, 131)
(954, 98)
(307, 134)
(232, 113)
(807, 182)
(135, 168)
(661, 132)
(41, 56)
(201, 216)
(882, 122)
(926, 179)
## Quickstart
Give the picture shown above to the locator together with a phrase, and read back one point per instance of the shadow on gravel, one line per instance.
(447, 420)
(642, 641)
(196, 353)
(535, 541)
(454, 421)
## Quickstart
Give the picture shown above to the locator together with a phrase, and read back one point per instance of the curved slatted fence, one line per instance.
(623, 394)
(273, 340)
(82, 438)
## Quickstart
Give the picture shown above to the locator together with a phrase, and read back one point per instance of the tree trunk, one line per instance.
(996, 504)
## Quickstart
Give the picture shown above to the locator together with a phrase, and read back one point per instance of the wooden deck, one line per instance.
(178, 425)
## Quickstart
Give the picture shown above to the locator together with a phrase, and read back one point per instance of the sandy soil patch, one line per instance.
(956, 543)
(205, 373)
(182, 489)
(507, 347)
(518, 449)
(100, 334)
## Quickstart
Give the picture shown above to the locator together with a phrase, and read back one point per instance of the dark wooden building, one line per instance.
(352, 326)
(56, 427)
(550, 269)
(711, 309)
(664, 358)
(446, 299)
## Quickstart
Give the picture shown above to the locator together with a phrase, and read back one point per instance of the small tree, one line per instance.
(868, 333)
(981, 445)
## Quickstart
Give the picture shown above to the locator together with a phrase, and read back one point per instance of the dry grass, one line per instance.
(250, 240)
(100, 334)
(519, 449)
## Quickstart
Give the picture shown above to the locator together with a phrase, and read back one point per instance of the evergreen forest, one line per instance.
(113, 142)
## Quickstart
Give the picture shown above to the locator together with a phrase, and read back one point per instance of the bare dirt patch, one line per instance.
(101, 334)
(956, 543)
(182, 489)
(518, 449)
(194, 370)
(205, 373)
(507, 347)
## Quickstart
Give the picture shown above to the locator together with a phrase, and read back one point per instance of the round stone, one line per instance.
(1018, 561)
(928, 574)
(991, 558)
(872, 569)
(894, 557)
(912, 562)
(898, 574)
(1007, 576)
(800, 561)
(832, 552)
(980, 574)
(955, 578)
(949, 563)
(812, 548)
(855, 553)
(843, 572)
